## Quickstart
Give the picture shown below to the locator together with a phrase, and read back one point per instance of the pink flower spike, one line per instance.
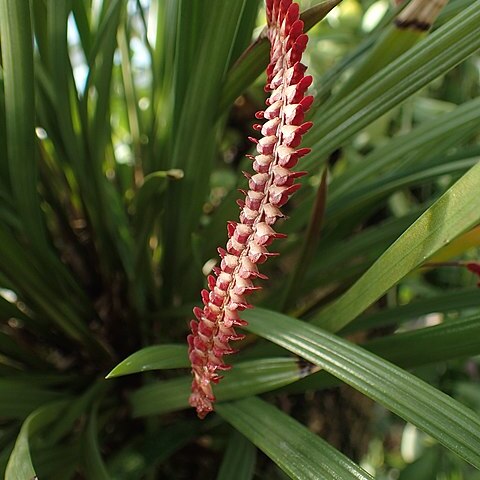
(269, 189)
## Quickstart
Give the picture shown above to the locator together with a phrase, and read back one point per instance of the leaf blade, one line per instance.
(152, 358)
(297, 451)
(20, 466)
(454, 213)
(17, 53)
(239, 460)
(452, 424)
(247, 378)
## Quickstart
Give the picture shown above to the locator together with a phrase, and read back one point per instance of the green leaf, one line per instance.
(333, 258)
(430, 138)
(410, 159)
(7, 443)
(296, 450)
(247, 378)
(167, 60)
(195, 143)
(20, 267)
(239, 459)
(146, 202)
(454, 213)
(379, 188)
(309, 244)
(8, 310)
(59, 462)
(148, 451)
(101, 71)
(447, 302)
(245, 29)
(17, 57)
(422, 468)
(79, 10)
(450, 10)
(161, 397)
(20, 465)
(75, 409)
(12, 348)
(157, 357)
(95, 468)
(436, 54)
(452, 339)
(18, 399)
(392, 42)
(447, 341)
(452, 424)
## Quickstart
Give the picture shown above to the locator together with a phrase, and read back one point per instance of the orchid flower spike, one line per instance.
(269, 189)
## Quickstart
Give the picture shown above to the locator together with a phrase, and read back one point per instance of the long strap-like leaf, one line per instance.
(454, 213)
(296, 450)
(442, 417)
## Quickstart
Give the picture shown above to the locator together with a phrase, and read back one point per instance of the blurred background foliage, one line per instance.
(123, 130)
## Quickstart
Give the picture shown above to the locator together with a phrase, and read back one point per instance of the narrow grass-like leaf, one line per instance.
(447, 302)
(194, 144)
(436, 54)
(79, 10)
(146, 453)
(12, 348)
(17, 59)
(146, 202)
(245, 28)
(7, 444)
(297, 451)
(113, 213)
(448, 421)
(131, 101)
(20, 465)
(367, 195)
(310, 242)
(423, 467)
(454, 213)
(102, 71)
(157, 357)
(453, 339)
(394, 40)
(369, 244)
(161, 397)
(21, 267)
(165, 57)
(425, 140)
(59, 462)
(450, 340)
(146, 212)
(93, 463)
(380, 188)
(247, 378)
(8, 310)
(451, 10)
(18, 398)
(74, 410)
(239, 459)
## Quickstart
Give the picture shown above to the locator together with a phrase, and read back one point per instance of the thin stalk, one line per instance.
(310, 243)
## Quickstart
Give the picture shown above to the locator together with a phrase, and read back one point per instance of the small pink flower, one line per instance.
(269, 189)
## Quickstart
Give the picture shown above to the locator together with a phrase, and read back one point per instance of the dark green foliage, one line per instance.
(122, 141)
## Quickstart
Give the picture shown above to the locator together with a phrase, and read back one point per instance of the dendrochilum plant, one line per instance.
(269, 189)
(124, 132)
